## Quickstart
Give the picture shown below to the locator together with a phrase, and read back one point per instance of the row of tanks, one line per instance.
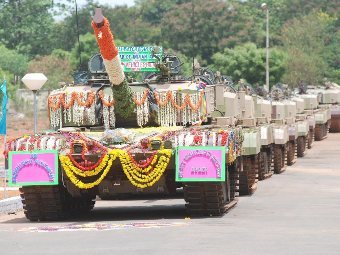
(202, 138)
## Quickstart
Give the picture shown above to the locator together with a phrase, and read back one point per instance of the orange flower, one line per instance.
(105, 40)
(145, 95)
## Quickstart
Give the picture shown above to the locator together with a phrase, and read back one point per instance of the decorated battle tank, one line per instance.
(115, 138)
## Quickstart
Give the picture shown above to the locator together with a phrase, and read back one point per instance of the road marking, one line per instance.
(102, 226)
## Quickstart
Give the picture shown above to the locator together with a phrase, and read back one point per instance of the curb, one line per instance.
(10, 205)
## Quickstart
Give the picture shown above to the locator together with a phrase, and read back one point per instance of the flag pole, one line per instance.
(5, 135)
(6, 170)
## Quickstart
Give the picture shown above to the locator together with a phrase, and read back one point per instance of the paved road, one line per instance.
(297, 212)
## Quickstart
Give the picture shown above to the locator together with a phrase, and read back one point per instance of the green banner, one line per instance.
(139, 59)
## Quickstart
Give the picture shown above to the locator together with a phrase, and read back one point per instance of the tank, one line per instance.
(305, 134)
(263, 110)
(239, 110)
(310, 107)
(113, 138)
(280, 131)
(314, 103)
(330, 95)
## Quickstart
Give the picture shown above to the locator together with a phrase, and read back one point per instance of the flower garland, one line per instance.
(145, 177)
(72, 106)
(187, 101)
(77, 169)
(56, 101)
(84, 150)
(158, 100)
(140, 175)
(69, 169)
(75, 102)
(107, 103)
(142, 100)
(109, 117)
(142, 107)
(199, 103)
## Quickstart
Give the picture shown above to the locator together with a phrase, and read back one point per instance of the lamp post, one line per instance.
(34, 82)
(264, 7)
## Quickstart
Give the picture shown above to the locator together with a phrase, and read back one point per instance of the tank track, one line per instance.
(212, 198)
(265, 164)
(248, 178)
(291, 152)
(51, 203)
(207, 199)
(335, 124)
(321, 131)
(280, 158)
(301, 146)
(233, 171)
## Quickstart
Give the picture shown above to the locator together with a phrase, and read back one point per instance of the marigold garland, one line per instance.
(142, 101)
(143, 178)
(140, 175)
(187, 101)
(105, 40)
(199, 103)
(105, 103)
(89, 101)
(56, 101)
(178, 107)
(158, 101)
(146, 164)
(66, 161)
(82, 185)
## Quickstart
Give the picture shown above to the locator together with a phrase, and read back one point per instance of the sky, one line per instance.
(110, 2)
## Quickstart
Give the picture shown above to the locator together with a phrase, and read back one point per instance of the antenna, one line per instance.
(75, 1)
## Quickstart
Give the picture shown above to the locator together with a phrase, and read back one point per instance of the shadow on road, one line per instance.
(114, 211)
(145, 212)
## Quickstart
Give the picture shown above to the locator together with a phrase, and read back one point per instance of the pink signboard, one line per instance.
(200, 163)
(27, 168)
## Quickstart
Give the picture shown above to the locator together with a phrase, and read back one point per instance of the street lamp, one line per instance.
(264, 7)
(34, 82)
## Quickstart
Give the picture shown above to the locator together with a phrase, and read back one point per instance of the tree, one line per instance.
(89, 47)
(56, 67)
(12, 83)
(27, 26)
(12, 66)
(202, 28)
(304, 41)
(153, 11)
(331, 53)
(12, 61)
(248, 62)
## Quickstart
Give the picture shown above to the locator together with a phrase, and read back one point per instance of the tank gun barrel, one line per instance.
(121, 91)
(107, 47)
